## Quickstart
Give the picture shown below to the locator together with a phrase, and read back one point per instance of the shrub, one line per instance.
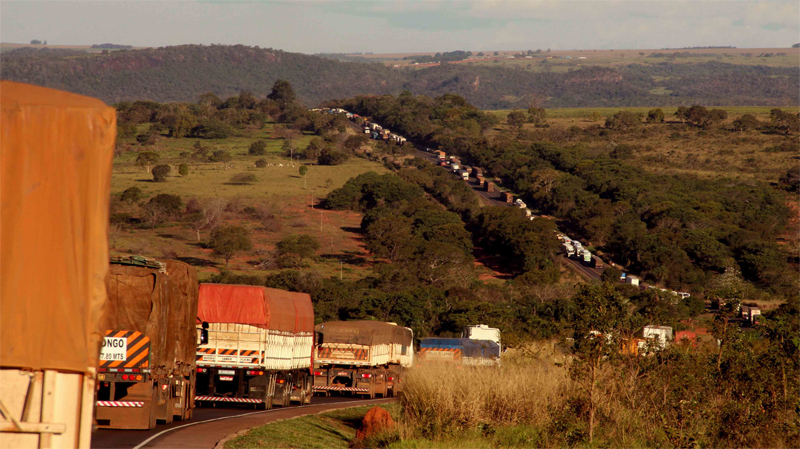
(220, 156)
(183, 170)
(243, 178)
(160, 173)
(258, 148)
(226, 241)
(261, 163)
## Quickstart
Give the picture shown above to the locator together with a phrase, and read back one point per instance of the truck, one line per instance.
(441, 154)
(56, 152)
(461, 351)
(464, 175)
(661, 336)
(482, 332)
(478, 171)
(587, 257)
(259, 346)
(507, 197)
(147, 364)
(362, 357)
(597, 262)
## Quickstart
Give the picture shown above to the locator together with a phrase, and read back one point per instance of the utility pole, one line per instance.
(341, 270)
(312, 200)
(320, 221)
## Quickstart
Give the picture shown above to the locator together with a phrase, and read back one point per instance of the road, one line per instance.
(493, 199)
(210, 425)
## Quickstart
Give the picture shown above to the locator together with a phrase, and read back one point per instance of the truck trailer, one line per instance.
(482, 332)
(259, 346)
(463, 351)
(56, 150)
(362, 357)
(146, 371)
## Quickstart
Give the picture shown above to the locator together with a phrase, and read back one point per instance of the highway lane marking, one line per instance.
(145, 442)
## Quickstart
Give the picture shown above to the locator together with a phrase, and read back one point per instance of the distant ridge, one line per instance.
(183, 73)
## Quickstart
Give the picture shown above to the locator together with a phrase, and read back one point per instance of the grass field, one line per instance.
(278, 190)
(677, 148)
(334, 430)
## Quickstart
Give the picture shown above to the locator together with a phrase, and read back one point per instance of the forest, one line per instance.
(183, 73)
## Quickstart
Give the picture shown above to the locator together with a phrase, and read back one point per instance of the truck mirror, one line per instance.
(204, 336)
(318, 337)
(205, 325)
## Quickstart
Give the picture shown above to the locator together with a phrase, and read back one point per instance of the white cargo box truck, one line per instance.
(482, 332)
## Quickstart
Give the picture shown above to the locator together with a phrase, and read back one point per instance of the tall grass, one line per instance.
(442, 400)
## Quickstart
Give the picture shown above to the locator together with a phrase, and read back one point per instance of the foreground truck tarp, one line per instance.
(56, 151)
(362, 357)
(146, 370)
(259, 346)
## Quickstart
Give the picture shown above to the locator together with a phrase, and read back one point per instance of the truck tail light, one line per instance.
(124, 377)
(201, 370)
(255, 373)
(280, 381)
(366, 376)
(391, 377)
(318, 373)
(139, 377)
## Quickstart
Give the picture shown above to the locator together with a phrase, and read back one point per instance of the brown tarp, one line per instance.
(56, 150)
(138, 301)
(263, 307)
(182, 314)
(364, 333)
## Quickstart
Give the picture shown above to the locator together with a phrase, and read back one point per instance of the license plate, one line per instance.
(343, 373)
(225, 377)
(229, 372)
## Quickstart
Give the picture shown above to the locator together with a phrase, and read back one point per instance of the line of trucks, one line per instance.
(126, 342)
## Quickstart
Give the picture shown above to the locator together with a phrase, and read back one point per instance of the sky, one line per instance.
(396, 26)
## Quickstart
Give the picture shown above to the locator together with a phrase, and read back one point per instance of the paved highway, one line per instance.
(210, 425)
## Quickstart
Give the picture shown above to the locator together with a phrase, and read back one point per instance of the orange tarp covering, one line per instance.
(267, 308)
(56, 151)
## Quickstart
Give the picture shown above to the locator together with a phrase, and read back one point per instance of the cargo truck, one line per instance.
(462, 351)
(587, 257)
(507, 197)
(597, 262)
(56, 151)
(259, 348)
(489, 186)
(362, 357)
(146, 371)
(482, 332)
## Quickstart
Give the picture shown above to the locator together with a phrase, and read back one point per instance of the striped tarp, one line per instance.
(337, 388)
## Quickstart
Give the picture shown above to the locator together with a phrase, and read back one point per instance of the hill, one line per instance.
(183, 73)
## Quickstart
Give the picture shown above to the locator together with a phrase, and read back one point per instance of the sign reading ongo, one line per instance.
(114, 348)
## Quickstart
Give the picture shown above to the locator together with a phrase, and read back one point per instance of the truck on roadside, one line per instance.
(259, 346)
(56, 152)
(147, 363)
(362, 357)
(462, 351)
(482, 332)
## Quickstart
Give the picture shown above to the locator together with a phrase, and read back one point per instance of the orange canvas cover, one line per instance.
(56, 150)
(138, 301)
(280, 303)
(300, 303)
(242, 304)
(182, 314)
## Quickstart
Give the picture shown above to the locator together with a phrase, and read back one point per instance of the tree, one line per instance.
(36, 42)
(131, 195)
(313, 149)
(282, 94)
(496, 53)
(600, 315)
(161, 208)
(746, 122)
(303, 170)
(226, 241)
(146, 159)
(537, 115)
(623, 121)
(516, 119)
(261, 163)
(160, 173)
(258, 148)
(791, 180)
(206, 215)
(291, 250)
(655, 116)
(610, 274)
(329, 156)
(288, 148)
(355, 142)
(183, 170)
(211, 129)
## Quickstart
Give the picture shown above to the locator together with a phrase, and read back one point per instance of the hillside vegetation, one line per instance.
(183, 73)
